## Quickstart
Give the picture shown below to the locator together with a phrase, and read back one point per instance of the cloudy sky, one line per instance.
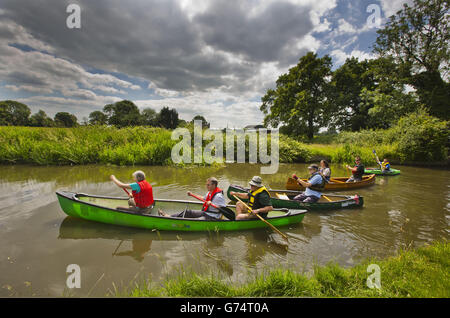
(214, 58)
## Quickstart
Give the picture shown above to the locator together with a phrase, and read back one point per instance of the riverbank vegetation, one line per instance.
(423, 272)
(417, 138)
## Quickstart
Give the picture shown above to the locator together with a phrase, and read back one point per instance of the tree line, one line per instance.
(120, 114)
(410, 72)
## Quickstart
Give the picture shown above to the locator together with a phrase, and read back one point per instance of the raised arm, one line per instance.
(120, 184)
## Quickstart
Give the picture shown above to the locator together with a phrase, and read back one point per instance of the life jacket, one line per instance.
(385, 165)
(144, 198)
(317, 187)
(358, 174)
(210, 196)
(253, 201)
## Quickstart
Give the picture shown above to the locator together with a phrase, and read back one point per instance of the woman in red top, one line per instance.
(141, 197)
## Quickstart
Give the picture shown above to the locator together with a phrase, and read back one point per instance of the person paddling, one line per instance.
(214, 196)
(385, 165)
(357, 171)
(141, 198)
(258, 201)
(314, 186)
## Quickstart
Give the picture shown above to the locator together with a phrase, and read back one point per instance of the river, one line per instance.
(38, 241)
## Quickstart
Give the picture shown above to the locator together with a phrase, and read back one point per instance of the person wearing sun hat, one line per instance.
(314, 186)
(258, 200)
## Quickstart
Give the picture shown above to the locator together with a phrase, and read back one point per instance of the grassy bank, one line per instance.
(153, 146)
(424, 272)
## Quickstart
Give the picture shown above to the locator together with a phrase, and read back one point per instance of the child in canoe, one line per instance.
(141, 197)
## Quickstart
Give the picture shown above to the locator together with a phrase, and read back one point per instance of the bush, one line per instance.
(422, 137)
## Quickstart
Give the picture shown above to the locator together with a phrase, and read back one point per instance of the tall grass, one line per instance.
(424, 272)
(84, 145)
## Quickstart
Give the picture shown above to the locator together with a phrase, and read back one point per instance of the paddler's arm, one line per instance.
(353, 169)
(304, 183)
(265, 209)
(240, 195)
(119, 184)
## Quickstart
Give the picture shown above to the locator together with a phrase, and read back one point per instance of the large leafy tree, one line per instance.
(149, 117)
(65, 119)
(40, 119)
(299, 102)
(417, 39)
(13, 113)
(98, 118)
(349, 112)
(205, 124)
(168, 118)
(122, 114)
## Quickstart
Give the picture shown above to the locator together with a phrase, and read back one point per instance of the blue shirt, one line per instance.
(135, 187)
(316, 180)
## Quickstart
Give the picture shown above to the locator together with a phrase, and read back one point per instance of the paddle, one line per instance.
(329, 200)
(378, 160)
(127, 192)
(226, 211)
(262, 219)
(338, 181)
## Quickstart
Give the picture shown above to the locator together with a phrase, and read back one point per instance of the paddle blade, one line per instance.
(229, 214)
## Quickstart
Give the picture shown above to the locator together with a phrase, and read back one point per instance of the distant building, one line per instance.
(253, 127)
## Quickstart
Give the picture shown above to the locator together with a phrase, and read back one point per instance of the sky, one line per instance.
(210, 58)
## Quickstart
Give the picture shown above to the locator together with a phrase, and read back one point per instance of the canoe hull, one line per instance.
(72, 206)
(338, 185)
(392, 172)
(343, 202)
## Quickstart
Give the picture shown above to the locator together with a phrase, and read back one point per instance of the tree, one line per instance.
(98, 118)
(149, 117)
(417, 39)
(40, 119)
(205, 124)
(64, 119)
(122, 114)
(13, 113)
(349, 113)
(299, 101)
(168, 118)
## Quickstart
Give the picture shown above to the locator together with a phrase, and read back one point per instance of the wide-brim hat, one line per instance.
(314, 166)
(256, 181)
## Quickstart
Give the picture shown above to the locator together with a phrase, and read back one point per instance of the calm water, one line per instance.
(38, 241)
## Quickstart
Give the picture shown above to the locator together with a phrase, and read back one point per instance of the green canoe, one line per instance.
(377, 171)
(104, 209)
(283, 199)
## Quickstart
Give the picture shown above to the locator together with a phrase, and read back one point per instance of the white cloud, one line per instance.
(390, 7)
(340, 56)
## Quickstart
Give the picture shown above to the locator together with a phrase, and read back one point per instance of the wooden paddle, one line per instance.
(329, 200)
(226, 211)
(262, 219)
(127, 192)
(338, 181)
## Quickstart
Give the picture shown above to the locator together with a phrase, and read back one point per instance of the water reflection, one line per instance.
(398, 211)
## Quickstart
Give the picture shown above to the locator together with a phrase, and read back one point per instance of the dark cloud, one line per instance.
(157, 41)
(228, 26)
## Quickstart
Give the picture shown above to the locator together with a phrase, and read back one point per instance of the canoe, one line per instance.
(283, 199)
(336, 184)
(104, 210)
(377, 171)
